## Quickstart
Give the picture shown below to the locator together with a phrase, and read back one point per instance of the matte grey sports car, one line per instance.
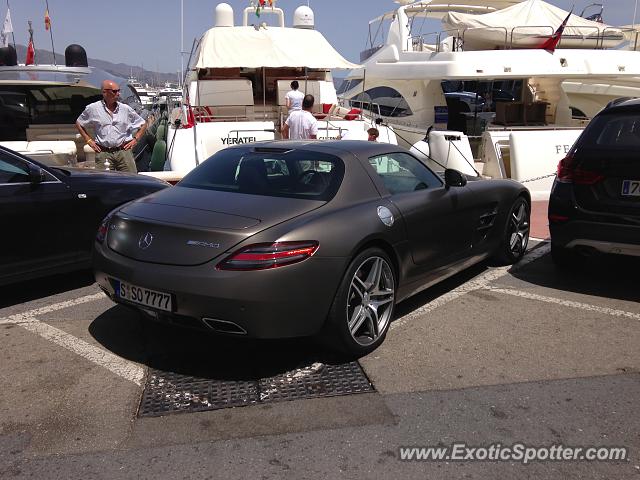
(284, 239)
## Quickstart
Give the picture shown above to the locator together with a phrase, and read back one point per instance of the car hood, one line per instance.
(186, 226)
(90, 174)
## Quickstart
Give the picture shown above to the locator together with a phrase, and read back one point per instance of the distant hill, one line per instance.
(118, 69)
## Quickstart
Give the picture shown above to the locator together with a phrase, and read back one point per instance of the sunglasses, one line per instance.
(112, 90)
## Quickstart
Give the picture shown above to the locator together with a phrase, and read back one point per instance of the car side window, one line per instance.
(401, 173)
(13, 170)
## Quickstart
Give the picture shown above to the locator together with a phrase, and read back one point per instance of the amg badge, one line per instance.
(197, 243)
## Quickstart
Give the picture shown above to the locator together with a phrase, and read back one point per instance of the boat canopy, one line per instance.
(531, 18)
(271, 47)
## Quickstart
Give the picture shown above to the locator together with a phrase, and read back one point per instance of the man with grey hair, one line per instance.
(114, 124)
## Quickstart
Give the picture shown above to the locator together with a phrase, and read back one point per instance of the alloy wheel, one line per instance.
(519, 230)
(370, 300)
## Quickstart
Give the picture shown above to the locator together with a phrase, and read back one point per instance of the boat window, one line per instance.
(14, 113)
(401, 173)
(21, 106)
(60, 104)
(577, 113)
(482, 95)
(347, 85)
(384, 101)
(294, 174)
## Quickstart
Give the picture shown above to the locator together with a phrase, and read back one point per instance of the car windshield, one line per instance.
(270, 172)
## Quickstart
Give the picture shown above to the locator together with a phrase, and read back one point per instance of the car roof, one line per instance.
(624, 103)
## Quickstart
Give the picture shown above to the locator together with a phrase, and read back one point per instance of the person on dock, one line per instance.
(301, 124)
(114, 124)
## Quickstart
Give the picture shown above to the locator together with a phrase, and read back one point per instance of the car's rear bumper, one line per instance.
(605, 247)
(290, 301)
(573, 227)
(597, 236)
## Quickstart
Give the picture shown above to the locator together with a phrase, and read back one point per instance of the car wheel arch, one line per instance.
(385, 246)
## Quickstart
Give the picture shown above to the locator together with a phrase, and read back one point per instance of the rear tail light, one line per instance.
(262, 256)
(103, 229)
(558, 218)
(568, 172)
(565, 169)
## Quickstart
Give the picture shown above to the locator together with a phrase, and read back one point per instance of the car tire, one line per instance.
(565, 258)
(363, 306)
(515, 238)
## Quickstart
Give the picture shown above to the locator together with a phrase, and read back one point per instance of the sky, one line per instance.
(147, 33)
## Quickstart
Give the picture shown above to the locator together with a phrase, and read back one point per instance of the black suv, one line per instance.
(595, 200)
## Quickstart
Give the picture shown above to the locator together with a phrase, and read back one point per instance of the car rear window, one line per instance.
(614, 130)
(272, 173)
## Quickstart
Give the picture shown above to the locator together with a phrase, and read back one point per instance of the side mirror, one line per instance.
(453, 178)
(36, 174)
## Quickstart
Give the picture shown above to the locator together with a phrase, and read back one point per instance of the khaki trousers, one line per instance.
(119, 160)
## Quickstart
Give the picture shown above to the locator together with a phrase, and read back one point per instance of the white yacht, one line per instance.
(237, 81)
(167, 96)
(39, 105)
(145, 93)
(481, 73)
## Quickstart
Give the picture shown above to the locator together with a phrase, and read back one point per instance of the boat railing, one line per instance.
(365, 106)
(421, 43)
(522, 30)
(332, 133)
(235, 133)
(454, 40)
(632, 35)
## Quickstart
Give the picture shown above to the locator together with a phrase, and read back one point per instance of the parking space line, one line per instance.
(123, 368)
(566, 303)
(476, 284)
(27, 316)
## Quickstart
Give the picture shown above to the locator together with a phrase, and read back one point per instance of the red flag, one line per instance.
(31, 54)
(550, 44)
(47, 20)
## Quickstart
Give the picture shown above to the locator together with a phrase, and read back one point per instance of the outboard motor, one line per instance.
(75, 56)
(8, 56)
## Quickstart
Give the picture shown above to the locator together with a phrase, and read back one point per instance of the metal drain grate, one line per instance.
(168, 392)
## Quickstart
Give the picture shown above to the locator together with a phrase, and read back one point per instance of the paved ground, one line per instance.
(530, 355)
(539, 222)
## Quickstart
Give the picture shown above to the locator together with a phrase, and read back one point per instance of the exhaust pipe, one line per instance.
(224, 326)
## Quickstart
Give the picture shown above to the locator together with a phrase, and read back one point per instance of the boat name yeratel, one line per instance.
(237, 140)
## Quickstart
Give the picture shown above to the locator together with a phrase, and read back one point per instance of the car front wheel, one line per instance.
(362, 309)
(516, 234)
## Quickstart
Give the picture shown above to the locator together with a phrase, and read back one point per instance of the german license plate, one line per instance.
(631, 188)
(143, 296)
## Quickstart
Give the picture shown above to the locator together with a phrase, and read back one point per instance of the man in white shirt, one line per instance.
(301, 124)
(293, 99)
(114, 124)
